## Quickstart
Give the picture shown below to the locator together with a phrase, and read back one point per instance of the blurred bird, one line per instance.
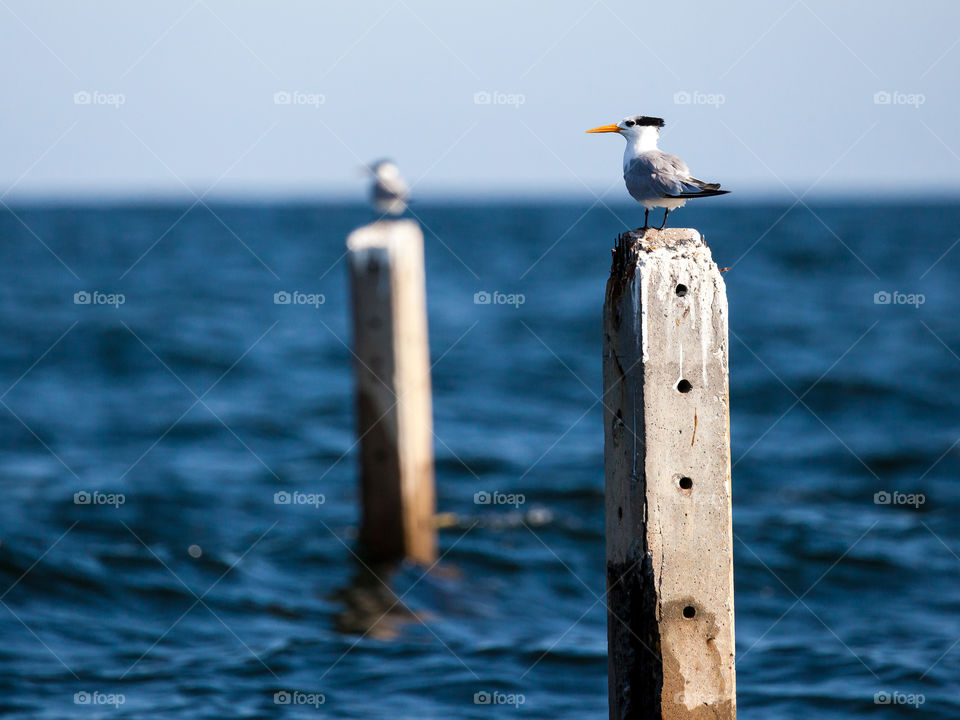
(389, 190)
(655, 178)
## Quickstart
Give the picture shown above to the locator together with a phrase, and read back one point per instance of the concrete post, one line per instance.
(394, 409)
(667, 461)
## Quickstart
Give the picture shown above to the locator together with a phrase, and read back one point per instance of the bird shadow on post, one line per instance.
(667, 464)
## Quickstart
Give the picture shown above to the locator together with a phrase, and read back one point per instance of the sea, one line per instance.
(179, 462)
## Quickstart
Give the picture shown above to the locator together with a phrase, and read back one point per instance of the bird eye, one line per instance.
(629, 123)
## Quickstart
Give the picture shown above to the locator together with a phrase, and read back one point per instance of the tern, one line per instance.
(655, 178)
(389, 190)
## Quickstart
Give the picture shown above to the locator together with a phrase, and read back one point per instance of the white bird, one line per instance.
(389, 190)
(655, 178)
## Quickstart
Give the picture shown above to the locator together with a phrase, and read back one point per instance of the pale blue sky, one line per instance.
(781, 95)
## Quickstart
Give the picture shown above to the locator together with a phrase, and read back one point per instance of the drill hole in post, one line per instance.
(684, 386)
(689, 612)
(681, 290)
(686, 483)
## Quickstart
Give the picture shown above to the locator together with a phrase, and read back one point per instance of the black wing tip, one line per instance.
(702, 193)
(704, 185)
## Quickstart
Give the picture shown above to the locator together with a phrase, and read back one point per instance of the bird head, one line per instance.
(634, 127)
(384, 170)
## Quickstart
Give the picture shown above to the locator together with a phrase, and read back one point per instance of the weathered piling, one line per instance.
(667, 460)
(394, 409)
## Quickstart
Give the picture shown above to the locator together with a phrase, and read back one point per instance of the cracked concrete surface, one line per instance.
(669, 535)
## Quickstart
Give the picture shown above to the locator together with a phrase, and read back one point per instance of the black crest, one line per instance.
(646, 120)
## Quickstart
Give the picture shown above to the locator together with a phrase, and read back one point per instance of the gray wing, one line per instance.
(394, 189)
(659, 174)
(390, 196)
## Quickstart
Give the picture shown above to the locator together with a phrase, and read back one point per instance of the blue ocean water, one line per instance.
(198, 398)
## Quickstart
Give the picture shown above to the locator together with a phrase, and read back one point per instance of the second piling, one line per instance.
(394, 409)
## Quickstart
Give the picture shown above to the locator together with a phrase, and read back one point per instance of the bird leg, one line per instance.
(664, 223)
(646, 217)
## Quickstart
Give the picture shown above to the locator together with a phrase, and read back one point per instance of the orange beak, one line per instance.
(604, 128)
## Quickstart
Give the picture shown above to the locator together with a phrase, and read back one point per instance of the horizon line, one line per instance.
(747, 194)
